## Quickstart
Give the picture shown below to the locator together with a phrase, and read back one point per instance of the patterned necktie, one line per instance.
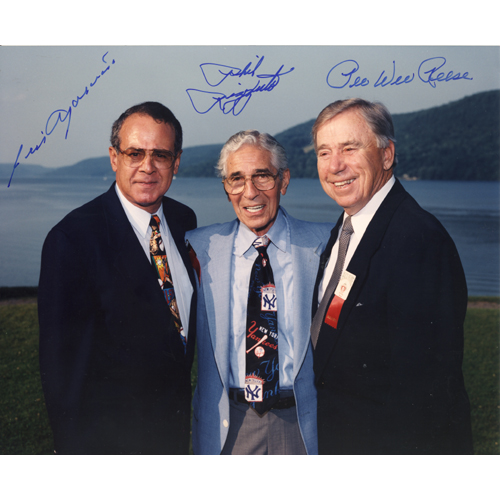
(345, 236)
(262, 370)
(159, 260)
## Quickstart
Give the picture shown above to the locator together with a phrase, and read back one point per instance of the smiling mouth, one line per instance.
(254, 209)
(343, 183)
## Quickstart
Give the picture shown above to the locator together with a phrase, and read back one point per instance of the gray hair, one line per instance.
(375, 114)
(261, 140)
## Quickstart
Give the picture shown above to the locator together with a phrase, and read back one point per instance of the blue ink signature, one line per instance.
(235, 102)
(343, 74)
(430, 76)
(59, 116)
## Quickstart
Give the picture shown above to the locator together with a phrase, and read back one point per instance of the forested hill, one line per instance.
(455, 141)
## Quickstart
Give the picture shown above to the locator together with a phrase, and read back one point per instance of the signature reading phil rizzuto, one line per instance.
(234, 102)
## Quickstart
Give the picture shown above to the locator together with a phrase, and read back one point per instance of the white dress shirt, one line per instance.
(280, 258)
(359, 222)
(139, 219)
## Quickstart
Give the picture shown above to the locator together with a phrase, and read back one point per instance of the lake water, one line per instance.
(470, 211)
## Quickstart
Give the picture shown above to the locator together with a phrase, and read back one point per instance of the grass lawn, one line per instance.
(23, 418)
(481, 373)
(24, 422)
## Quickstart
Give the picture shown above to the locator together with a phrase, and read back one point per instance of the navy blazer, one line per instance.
(389, 377)
(115, 380)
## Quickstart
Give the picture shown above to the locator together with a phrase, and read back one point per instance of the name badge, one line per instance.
(345, 284)
(341, 292)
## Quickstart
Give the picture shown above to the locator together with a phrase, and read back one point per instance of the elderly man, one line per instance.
(255, 392)
(388, 333)
(117, 303)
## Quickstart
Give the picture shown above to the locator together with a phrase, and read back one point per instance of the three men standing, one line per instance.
(379, 370)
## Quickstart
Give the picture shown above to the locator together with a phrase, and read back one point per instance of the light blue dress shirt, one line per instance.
(280, 258)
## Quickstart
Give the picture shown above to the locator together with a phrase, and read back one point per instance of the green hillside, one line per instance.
(457, 141)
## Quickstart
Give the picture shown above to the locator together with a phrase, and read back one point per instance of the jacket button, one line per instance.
(225, 423)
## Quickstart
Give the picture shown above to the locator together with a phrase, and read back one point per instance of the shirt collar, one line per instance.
(278, 234)
(361, 219)
(138, 217)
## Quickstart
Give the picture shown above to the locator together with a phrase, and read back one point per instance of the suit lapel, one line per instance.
(302, 242)
(128, 255)
(359, 266)
(323, 261)
(218, 294)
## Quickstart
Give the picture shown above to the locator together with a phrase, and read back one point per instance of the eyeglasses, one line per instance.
(163, 159)
(263, 182)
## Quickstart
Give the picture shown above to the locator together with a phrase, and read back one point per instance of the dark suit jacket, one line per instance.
(389, 377)
(115, 379)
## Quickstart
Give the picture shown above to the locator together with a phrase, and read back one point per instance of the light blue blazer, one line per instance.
(214, 248)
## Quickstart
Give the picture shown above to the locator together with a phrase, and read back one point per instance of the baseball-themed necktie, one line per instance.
(159, 260)
(345, 236)
(262, 370)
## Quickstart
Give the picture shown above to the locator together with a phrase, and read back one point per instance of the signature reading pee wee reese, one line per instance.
(59, 116)
(233, 102)
(431, 71)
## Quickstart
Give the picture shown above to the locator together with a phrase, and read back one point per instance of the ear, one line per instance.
(113, 158)
(177, 162)
(285, 181)
(389, 153)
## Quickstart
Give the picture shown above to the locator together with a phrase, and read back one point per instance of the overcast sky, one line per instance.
(36, 81)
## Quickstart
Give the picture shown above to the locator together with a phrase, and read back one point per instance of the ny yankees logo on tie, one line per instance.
(262, 370)
(159, 260)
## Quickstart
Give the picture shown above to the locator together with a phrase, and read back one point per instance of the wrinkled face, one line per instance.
(351, 167)
(145, 185)
(256, 209)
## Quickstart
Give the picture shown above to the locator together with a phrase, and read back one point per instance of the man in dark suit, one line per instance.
(390, 302)
(116, 341)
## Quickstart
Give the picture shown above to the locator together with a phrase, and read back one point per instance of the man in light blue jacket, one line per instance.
(255, 392)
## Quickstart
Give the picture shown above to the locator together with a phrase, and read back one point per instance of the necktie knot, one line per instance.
(261, 241)
(347, 228)
(155, 223)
